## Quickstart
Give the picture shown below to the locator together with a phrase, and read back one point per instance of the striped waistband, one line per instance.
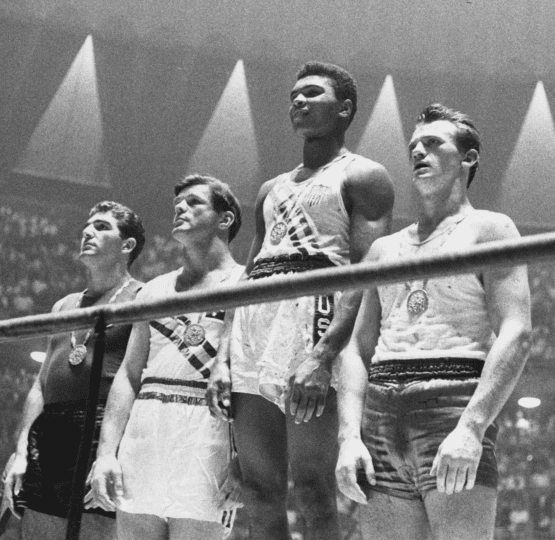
(401, 371)
(173, 391)
(295, 262)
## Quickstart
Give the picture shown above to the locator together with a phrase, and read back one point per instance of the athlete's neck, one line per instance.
(101, 281)
(201, 261)
(319, 151)
(431, 218)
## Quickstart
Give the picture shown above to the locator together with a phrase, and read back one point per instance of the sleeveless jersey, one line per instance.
(64, 382)
(455, 323)
(176, 351)
(308, 217)
(173, 454)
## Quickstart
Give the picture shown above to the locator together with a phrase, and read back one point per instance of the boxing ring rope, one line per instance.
(325, 281)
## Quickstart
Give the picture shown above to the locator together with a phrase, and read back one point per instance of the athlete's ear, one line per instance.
(128, 245)
(470, 158)
(346, 109)
(227, 219)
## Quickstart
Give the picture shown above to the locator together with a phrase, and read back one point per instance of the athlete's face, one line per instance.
(434, 153)
(101, 237)
(315, 110)
(194, 212)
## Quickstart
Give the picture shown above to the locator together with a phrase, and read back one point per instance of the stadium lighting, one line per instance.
(38, 356)
(529, 402)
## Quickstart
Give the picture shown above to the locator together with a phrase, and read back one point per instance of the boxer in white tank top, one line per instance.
(326, 212)
(432, 361)
(162, 458)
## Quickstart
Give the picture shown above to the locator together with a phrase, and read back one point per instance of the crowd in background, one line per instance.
(39, 259)
(39, 264)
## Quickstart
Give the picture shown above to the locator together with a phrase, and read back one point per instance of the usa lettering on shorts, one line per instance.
(323, 315)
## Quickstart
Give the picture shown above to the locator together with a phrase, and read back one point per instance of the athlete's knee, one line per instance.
(259, 494)
(316, 499)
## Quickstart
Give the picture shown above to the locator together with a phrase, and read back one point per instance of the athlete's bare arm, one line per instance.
(218, 394)
(353, 376)
(106, 476)
(368, 196)
(508, 305)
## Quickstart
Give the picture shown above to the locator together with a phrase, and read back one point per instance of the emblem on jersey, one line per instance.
(194, 335)
(316, 195)
(278, 232)
(417, 302)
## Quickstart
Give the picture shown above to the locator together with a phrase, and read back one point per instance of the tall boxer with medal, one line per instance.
(162, 458)
(325, 212)
(40, 479)
(431, 362)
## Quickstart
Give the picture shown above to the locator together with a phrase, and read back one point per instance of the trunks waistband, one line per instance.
(401, 371)
(70, 407)
(295, 262)
(169, 390)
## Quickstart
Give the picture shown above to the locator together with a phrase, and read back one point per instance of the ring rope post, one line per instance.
(89, 425)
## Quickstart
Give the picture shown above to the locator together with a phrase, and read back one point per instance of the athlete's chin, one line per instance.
(181, 233)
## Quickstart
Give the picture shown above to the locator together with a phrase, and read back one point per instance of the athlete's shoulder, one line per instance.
(157, 286)
(267, 186)
(368, 182)
(67, 302)
(384, 244)
(490, 226)
(366, 168)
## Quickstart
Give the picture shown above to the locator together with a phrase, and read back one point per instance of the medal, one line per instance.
(417, 302)
(278, 232)
(194, 335)
(77, 355)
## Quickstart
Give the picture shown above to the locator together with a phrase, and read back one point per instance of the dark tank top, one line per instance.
(64, 382)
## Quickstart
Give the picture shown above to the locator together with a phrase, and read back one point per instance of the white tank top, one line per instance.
(455, 323)
(183, 347)
(309, 217)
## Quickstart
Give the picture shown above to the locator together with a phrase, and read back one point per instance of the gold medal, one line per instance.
(417, 302)
(194, 335)
(77, 355)
(278, 232)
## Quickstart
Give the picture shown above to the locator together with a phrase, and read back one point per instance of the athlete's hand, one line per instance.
(353, 455)
(89, 496)
(218, 393)
(107, 484)
(308, 388)
(12, 478)
(456, 461)
(229, 496)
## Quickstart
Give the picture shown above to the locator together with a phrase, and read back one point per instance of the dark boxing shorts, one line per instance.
(410, 407)
(53, 445)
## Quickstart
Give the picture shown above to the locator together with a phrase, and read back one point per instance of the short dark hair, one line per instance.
(343, 83)
(468, 136)
(223, 199)
(129, 224)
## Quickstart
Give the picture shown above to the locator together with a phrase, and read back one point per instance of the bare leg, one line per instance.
(313, 455)
(192, 529)
(46, 527)
(393, 518)
(261, 439)
(468, 515)
(141, 527)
